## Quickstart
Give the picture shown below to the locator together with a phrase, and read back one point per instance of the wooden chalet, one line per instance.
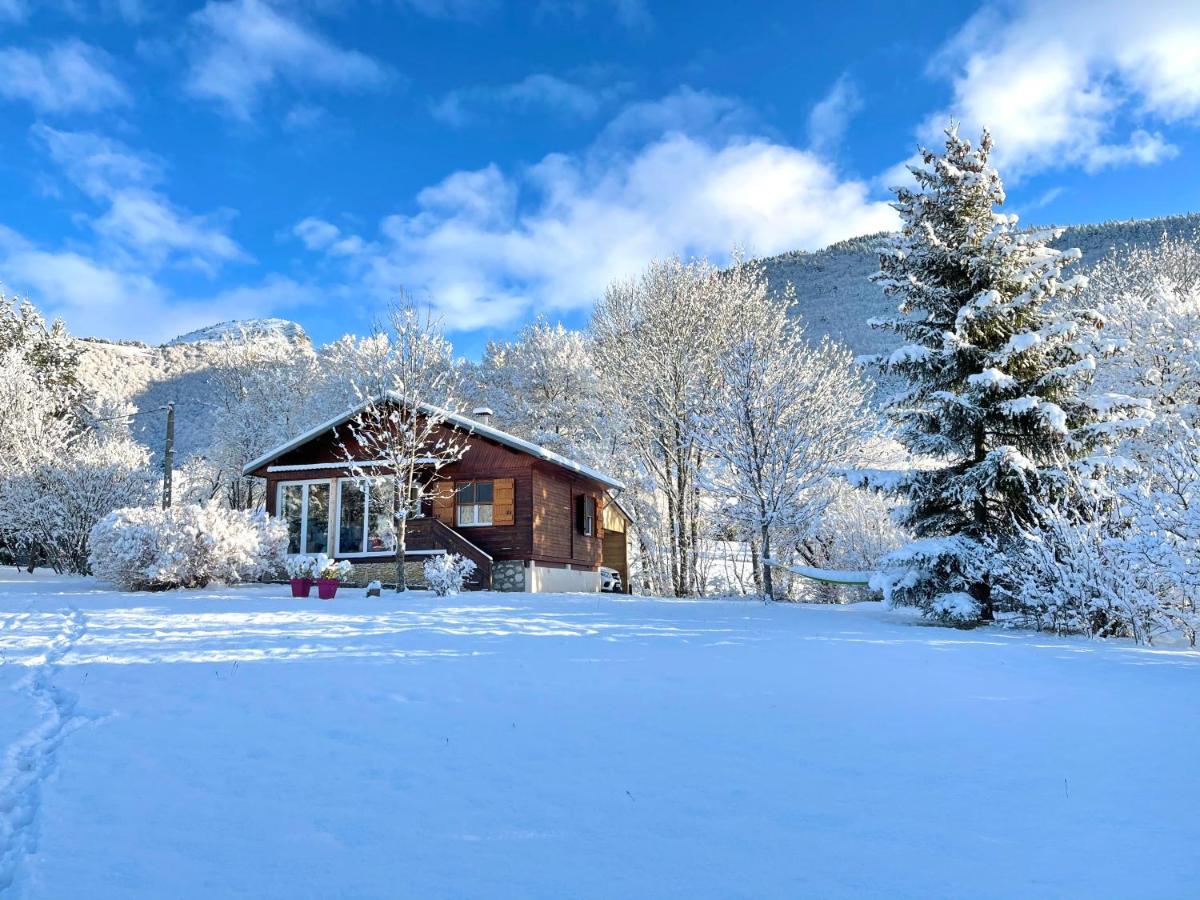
(530, 519)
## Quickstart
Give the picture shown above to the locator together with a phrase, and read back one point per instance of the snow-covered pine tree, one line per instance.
(998, 369)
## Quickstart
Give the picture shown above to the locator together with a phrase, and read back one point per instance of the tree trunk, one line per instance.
(982, 589)
(768, 577)
(982, 592)
(401, 542)
(756, 567)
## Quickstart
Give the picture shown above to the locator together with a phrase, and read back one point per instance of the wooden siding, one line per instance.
(556, 536)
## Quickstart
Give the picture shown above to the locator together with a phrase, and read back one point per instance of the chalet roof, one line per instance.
(455, 420)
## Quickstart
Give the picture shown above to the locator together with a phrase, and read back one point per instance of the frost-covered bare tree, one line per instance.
(350, 362)
(788, 415)
(400, 436)
(544, 387)
(61, 470)
(263, 392)
(658, 338)
(1150, 297)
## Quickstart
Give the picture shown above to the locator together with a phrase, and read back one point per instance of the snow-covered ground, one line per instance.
(238, 743)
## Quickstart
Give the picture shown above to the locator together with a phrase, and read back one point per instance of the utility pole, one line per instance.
(169, 456)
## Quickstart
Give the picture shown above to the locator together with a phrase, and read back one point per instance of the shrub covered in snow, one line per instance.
(299, 566)
(146, 548)
(446, 574)
(326, 568)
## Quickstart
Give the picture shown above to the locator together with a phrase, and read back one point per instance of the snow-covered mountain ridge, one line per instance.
(238, 329)
(836, 297)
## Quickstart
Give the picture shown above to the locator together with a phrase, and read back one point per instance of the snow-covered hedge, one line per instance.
(446, 574)
(151, 549)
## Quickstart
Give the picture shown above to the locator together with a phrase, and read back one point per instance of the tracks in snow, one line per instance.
(29, 760)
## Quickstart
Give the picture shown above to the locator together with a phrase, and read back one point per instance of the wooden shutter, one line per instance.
(502, 501)
(443, 502)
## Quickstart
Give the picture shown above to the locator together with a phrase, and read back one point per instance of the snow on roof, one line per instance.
(457, 421)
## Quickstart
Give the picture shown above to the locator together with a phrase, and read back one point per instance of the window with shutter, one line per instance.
(585, 514)
(474, 501)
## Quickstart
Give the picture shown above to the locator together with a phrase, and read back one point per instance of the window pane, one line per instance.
(483, 492)
(483, 514)
(293, 505)
(381, 535)
(317, 532)
(352, 511)
(466, 492)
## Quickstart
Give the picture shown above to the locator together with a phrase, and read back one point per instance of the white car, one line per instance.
(610, 580)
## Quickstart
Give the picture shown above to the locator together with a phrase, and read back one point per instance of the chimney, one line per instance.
(483, 415)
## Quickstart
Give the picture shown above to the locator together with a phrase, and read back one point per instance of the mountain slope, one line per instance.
(836, 297)
(179, 371)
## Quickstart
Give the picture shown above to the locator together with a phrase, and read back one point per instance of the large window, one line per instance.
(365, 516)
(305, 507)
(474, 503)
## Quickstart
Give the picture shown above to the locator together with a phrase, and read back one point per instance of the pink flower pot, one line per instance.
(301, 587)
(327, 588)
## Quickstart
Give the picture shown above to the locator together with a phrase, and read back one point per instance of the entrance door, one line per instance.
(305, 507)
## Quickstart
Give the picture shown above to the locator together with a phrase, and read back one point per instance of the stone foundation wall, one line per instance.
(366, 572)
(508, 575)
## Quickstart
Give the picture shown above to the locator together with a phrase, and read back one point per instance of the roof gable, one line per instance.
(453, 420)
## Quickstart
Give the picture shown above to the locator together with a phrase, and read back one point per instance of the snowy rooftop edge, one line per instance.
(459, 421)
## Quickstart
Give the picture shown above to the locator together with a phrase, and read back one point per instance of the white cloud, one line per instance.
(139, 219)
(116, 279)
(488, 247)
(829, 119)
(315, 233)
(1052, 80)
(96, 164)
(535, 93)
(98, 297)
(67, 77)
(243, 48)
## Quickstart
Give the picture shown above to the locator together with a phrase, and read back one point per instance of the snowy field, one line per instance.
(238, 743)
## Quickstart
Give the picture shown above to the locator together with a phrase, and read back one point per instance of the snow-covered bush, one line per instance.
(146, 548)
(50, 506)
(300, 566)
(1075, 574)
(445, 574)
(334, 571)
(953, 563)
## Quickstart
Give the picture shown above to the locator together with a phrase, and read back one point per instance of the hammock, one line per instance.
(826, 576)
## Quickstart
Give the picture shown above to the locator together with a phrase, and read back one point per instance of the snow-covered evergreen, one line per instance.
(998, 366)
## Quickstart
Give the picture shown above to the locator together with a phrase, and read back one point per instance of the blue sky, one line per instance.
(167, 165)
